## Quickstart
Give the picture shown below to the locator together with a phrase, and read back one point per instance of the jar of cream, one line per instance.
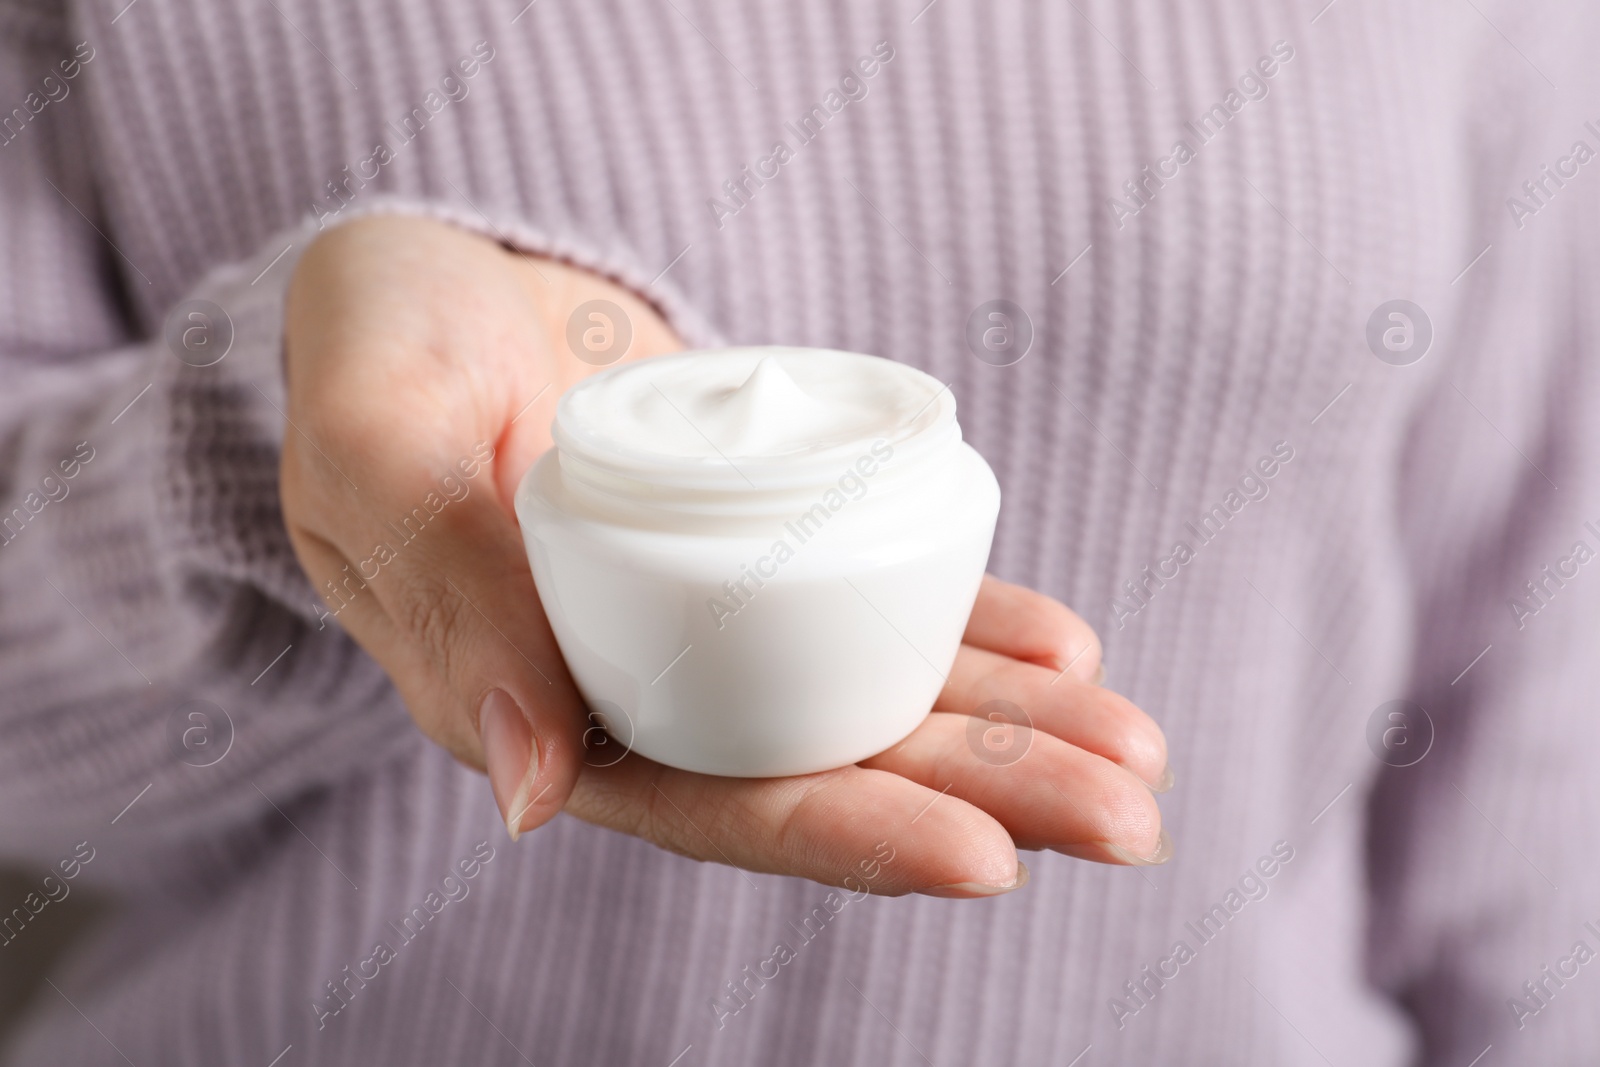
(758, 561)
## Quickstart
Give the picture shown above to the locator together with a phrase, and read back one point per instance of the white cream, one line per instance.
(759, 561)
(751, 403)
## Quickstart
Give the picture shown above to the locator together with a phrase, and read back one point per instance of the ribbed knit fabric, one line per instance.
(1215, 316)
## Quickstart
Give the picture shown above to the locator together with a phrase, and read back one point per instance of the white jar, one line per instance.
(759, 561)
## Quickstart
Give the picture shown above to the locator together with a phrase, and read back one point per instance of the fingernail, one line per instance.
(510, 754)
(1099, 674)
(972, 890)
(1168, 779)
(1163, 852)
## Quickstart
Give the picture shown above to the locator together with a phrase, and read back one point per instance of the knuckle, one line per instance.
(791, 835)
(661, 821)
(433, 615)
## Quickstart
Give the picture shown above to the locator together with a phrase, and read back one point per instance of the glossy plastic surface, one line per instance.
(793, 646)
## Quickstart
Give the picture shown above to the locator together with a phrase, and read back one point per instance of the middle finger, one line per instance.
(982, 683)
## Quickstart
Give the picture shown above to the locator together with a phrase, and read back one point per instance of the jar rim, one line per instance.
(602, 465)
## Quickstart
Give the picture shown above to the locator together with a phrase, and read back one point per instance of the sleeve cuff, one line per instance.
(220, 361)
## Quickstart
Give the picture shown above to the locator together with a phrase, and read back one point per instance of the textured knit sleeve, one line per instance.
(146, 580)
(1486, 910)
(159, 644)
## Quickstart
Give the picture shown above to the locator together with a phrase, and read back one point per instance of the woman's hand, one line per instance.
(953, 802)
(424, 364)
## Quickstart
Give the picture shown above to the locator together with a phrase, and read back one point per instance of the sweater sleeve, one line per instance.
(1486, 901)
(165, 660)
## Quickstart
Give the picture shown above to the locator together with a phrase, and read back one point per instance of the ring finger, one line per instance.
(1045, 792)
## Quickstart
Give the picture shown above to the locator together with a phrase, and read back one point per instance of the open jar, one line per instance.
(758, 561)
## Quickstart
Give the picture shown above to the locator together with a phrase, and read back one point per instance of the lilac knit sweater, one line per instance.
(1197, 205)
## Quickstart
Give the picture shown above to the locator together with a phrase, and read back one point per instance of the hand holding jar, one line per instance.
(415, 349)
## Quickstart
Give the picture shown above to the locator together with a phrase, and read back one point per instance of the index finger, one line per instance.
(824, 826)
(1018, 622)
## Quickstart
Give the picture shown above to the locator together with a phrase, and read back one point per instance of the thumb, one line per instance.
(442, 596)
(500, 664)
(529, 757)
